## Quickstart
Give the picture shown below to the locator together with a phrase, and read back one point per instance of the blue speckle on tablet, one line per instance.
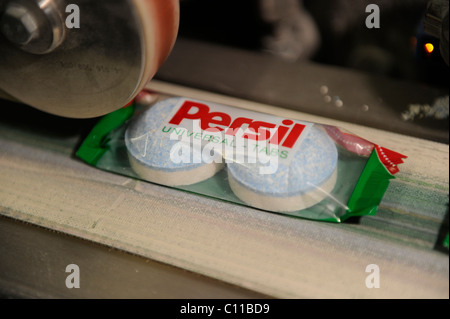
(313, 163)
(150, 146)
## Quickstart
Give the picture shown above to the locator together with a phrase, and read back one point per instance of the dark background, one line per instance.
(394, 50)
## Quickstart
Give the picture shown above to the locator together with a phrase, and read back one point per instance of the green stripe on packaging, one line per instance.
(370, 189)
(96, 143)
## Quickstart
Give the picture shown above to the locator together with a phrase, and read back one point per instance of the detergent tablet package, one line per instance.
(270, 163)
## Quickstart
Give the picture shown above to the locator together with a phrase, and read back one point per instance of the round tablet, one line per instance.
(306, 180)
(157, 158)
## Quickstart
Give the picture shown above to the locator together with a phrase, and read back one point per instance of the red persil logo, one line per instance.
(285, 135)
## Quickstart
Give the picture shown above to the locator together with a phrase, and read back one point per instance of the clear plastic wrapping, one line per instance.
(271, 163)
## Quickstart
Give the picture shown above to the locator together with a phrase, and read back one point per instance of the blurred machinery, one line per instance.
(286, 52)
(436, 24)
(330, 32)
(88, 68)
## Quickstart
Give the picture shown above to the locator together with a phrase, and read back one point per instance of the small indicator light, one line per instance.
(429, 47)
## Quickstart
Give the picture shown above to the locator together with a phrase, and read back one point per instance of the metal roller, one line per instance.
(83, 58)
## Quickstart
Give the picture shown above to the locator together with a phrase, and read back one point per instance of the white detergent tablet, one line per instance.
(156, 157)
(306, 180)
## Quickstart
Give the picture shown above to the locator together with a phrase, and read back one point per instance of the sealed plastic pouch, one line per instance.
(271, 163)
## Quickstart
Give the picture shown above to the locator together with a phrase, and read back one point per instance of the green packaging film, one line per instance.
(274, 164)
